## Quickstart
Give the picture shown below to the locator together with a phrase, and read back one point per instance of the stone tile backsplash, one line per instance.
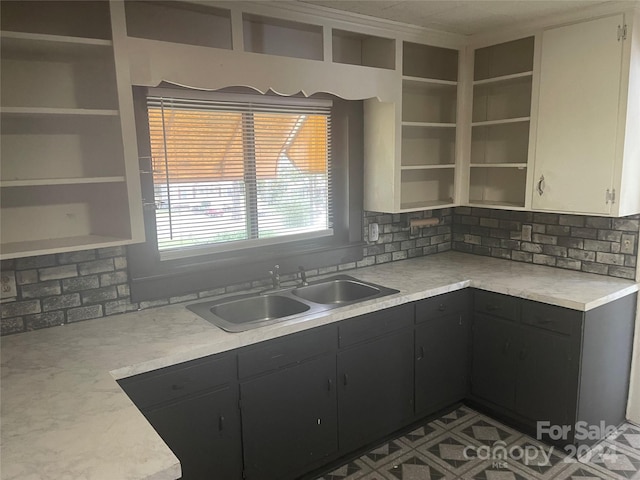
(606, 246)
(69, 287)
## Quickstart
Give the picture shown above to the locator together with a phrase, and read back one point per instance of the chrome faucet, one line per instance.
(275, 277)
(303, 277)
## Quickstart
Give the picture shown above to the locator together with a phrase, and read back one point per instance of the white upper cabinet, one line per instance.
(587, 156)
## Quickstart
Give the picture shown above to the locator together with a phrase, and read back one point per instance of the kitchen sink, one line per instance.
(336, 291)
(258, 309)
(245, 312)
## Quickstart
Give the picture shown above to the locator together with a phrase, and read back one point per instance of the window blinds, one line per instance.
(238, 171)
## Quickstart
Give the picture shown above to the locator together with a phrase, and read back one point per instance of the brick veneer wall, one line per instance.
(69, 287)
(606, 246)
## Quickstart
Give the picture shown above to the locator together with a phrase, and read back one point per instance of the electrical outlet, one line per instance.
(8, 283)
(374, 232)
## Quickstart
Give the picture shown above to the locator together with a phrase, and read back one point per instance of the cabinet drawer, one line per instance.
(160, 386)
(285, 351)
(441, 305)
(496, 304)
(549, 317)
(375, 324)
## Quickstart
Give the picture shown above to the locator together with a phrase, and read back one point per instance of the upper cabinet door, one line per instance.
(578, 117)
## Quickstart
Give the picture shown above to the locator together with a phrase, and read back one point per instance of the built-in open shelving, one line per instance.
(500, 124)
(428, 126)
(64, 177)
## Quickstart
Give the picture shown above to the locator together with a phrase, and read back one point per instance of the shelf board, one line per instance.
(501, 121)
(58, 245)
(87, 112)
(426, 167)
(429, 124)
(428, 81)
(503, 78)
(417, 206)
(498, 165)
(37, 182)
(496, 204)
(42, 37)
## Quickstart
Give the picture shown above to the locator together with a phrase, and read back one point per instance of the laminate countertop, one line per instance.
(64, 416)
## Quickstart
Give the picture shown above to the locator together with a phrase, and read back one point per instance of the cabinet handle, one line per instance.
(329, 384)
(221, 423)
(506, 346)
(421, 356)
(491, 307)
(540, 186)
(176, 386)
(543, 321)
(345, 379)
(460, 320)
(442, 307)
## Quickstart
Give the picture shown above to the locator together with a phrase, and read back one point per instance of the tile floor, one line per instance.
(436, 451)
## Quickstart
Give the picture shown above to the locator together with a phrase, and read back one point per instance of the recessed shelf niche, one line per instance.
(366, 50)
(179, 22)
(286, 38)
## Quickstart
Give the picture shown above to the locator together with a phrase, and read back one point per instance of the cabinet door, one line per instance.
(204, 433)
(289, 419)
(442, 362)
(547, 376)
(578, 116)
(495, 347)
(375, 393)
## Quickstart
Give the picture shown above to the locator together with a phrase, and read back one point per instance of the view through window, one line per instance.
(232, 172)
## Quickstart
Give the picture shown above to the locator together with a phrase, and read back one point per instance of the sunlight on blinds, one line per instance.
(238, 172)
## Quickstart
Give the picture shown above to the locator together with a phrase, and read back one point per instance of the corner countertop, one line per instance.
(64, 416)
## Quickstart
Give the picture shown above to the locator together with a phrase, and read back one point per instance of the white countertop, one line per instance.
(63, 416)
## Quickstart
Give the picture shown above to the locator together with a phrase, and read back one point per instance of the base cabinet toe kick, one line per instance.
(290, 407)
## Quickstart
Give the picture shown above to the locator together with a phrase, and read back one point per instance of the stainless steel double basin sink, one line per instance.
(245, 312)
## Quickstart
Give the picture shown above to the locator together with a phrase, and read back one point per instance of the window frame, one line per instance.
(246, 105)
(152, 278)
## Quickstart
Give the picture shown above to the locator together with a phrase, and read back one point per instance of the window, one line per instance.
(301, 206)
(237, 171)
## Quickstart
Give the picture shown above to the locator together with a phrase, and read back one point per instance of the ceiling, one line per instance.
(466, 17)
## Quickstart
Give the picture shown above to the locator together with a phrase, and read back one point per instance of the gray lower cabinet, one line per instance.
(442, 337)
(289, 419)
(283, 408)
(194, 408)
(534, 362)
(288, 403)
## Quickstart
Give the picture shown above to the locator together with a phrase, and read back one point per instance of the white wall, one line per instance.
(633, 407)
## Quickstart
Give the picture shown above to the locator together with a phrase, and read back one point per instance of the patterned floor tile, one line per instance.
(627, 437)
(422, 434)
(486, 431)
(621, 464)
(374, 476)
(490, 470)
(450, 452)
(537, 459)
(353, 470)
(455, 417)
(384, 453)
(414, 466)
(580, 471)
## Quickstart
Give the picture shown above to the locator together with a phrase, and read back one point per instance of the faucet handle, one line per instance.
(303, 275)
